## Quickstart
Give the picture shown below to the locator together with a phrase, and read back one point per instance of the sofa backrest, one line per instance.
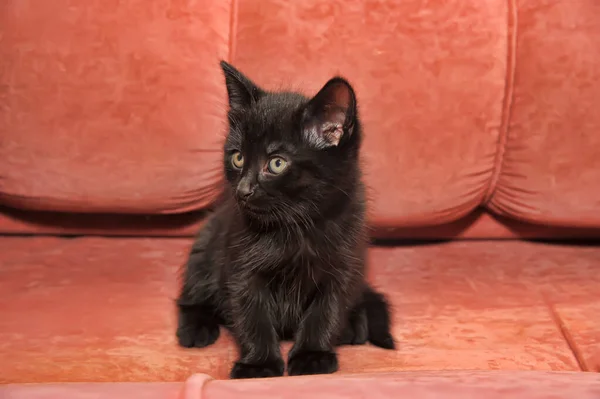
(119, 107)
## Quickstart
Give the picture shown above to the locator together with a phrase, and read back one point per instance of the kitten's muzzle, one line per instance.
(245, 190)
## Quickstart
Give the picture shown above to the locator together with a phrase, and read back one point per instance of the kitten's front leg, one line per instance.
(313, 351)
(197, 326)
(356, 330)
(253, 329)
(198, 316)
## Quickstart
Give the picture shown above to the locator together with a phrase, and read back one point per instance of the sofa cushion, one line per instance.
(416, 384)
(111, 106)
(430, 84)
(119, 107)
(549, 170)
(104, 309)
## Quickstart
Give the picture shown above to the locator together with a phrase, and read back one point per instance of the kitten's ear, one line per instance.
(330, 115)
(242, 91)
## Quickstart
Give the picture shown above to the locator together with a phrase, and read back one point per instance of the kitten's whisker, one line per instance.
(341, 190)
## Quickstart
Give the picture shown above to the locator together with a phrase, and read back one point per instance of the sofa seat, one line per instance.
(416, 384)
(95, 309)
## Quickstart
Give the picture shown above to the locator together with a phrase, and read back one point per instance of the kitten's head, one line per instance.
(289, 158)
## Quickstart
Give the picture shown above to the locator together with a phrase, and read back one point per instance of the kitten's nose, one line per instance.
(245, 189)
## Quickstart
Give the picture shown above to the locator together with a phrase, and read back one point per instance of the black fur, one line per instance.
(283, 256)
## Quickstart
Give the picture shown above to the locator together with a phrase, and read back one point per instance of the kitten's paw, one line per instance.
(350, 337)
(354, 335)
(244, 370)
(356, 331)
(383, 340)
(199, 336)
(305, 363)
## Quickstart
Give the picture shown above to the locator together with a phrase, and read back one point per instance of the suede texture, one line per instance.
(103, 309)
(550, 163)
(111, 106)
(118, 108)
(417, 385)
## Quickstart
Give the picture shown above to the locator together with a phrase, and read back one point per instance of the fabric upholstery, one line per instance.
(417, 385)
(118, 108)
(157, 390)
(429, 79)
(111, 106)
(550, 166)
(99, 309)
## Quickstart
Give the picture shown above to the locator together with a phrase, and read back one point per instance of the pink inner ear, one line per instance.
(328, 119)
(332, 127)
(341, 96)
(332, 132)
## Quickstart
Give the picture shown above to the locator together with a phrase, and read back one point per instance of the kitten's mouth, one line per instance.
(253, 209)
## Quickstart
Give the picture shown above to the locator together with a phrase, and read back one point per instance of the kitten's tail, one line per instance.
(378, 319)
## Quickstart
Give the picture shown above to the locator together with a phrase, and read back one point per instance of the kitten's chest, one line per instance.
(291, 293)
(287, 251)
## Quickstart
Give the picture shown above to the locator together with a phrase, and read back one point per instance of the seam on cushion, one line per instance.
(507, 101)
(233, 20)
(566, 335)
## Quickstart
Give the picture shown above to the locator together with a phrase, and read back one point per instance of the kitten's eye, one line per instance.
(237, 160)
(277, 165)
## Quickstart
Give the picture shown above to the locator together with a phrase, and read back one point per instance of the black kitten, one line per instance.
(283, 256)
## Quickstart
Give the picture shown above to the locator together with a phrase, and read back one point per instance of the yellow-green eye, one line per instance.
(237, 160)
(277, 165)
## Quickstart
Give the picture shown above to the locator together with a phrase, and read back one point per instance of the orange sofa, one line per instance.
(482, 156)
